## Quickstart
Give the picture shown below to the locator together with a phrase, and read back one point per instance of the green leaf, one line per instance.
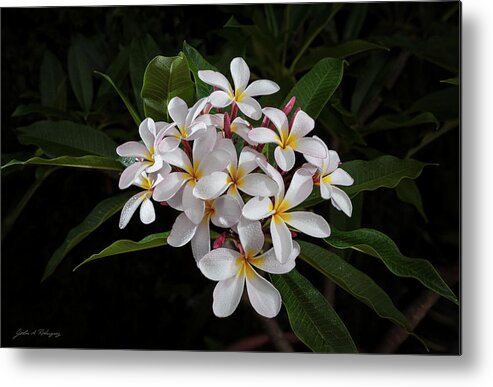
(127, 246)
(65, 138)
(432, 136)
(315, 88)
(383, 172)
(408, 192)
(165, 78)
(379, 245)
(142, 50)
(117, 71)
(397, 121)
(353, 281)
(333, 123)
(312, 318)
(91, 162)
(340, 51)
(197, 62)
(80, 75)
(102, 212)
(52, 79)
(124, 98)
(386, 171)
(452, 81)
(46, 111)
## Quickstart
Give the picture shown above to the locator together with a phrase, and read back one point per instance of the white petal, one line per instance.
(299, 189)
(243, 132)
(227, 296)
(308, 223)
(156, 165)
(176, 200)
(227, 212)
(194, 208)
(325, 190)
(212, 186)
(278, 118)
(220, 99)
(258, 208)
(147, 131)
(201, 241)
(310, 167)
(178, 158)
(216, 79)
(333, 163)
(340, 177)
(133, 149)
(214, 161)
(274, 174)
(168, 144)
(182, 231)
(219, 264)
(194, 111)
(285, 158)
(248, 160)
(131, 173)
(251, 236)
(261, 87)
(302, 124)
(240, 73)
(147, 213)
(263, 136)
(226, 144)
(129, 208)
(311, 147)
(178, 109)
(281, 239)
(204, 144)
(169, 186)
(195, 131)
(263, 296)
(250, 107)
(269, 263)
(256, 184)
(340, 198)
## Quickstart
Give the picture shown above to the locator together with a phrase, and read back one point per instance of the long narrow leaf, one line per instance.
(379, 245)
(124, 98)
(90, 162)
(312, 318)
(353, 281)
(127, 246)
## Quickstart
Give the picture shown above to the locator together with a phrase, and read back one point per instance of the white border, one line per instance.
(125, 368)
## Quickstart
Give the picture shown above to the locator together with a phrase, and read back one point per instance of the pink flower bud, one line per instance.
(219, 242)
(289, 106)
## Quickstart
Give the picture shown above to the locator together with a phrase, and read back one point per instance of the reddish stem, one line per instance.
(234, 111)
(292, 118)
(187, 148)
(227, 125)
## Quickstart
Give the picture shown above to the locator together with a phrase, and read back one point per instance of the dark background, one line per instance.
(157, 299)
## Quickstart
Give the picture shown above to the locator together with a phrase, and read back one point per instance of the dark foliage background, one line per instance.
(157, 299)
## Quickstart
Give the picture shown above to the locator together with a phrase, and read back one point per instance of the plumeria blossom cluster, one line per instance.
(210, 165)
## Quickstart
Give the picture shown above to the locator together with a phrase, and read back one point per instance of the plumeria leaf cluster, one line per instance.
(256, 189)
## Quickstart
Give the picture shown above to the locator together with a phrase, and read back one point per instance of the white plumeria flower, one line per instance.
(241, 95)
(205, 161)
(288, 140)
(149, 160)
(328, 174)
(239, 176)
(142, 199)
(233, 268)
(185, 126)
(223, 212)
(299, 189)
